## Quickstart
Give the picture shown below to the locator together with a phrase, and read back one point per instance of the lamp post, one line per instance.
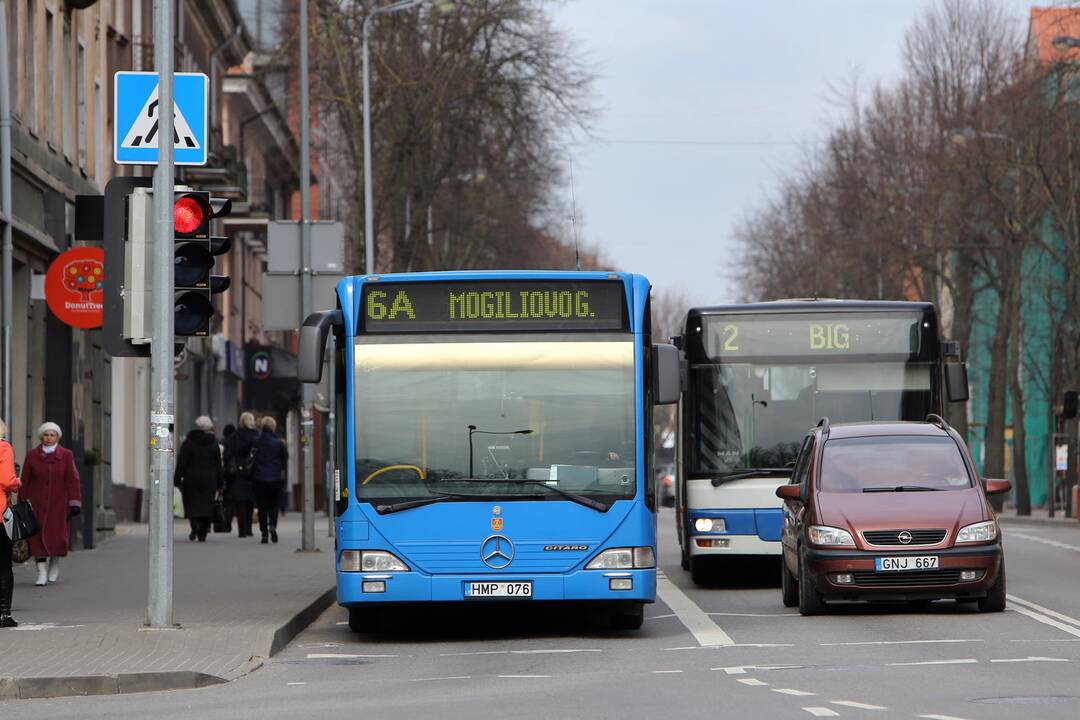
(474, 431)
(369, 210)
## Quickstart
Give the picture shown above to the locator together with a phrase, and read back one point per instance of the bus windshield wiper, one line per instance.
(901, 488)
(385, 509)
(579, 499)
(749, 472)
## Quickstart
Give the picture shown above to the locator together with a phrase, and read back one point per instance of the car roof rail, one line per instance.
(937, 420)
(823, 423)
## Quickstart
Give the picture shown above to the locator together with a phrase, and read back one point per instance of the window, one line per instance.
(80, 90)
(881, 464)
(48, 91)
(29, 84)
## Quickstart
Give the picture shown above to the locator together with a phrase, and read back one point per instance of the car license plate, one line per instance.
(896, 564)
(484, 589)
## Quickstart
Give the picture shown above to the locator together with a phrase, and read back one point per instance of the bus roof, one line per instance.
(781, 306)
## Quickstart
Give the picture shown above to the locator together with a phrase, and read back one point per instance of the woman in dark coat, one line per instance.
(51, 483)
(199, 477)
(269, 477)
(239, 492)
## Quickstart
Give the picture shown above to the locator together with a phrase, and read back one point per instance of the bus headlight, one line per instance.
(979, 532)
(709, 525)
(371, 561)
(623, 559)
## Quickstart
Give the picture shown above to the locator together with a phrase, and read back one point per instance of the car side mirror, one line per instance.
(789, 492)
(997, 487)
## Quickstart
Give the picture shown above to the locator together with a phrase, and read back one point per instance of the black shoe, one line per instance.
(264, 541)
(7, 621)
(191, 536)
(273, 536)
(202, 538)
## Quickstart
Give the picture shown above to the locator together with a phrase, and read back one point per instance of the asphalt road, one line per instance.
(730, 650)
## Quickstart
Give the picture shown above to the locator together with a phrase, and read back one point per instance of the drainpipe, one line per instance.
(218, 49)
(136, 36)
(6, 275)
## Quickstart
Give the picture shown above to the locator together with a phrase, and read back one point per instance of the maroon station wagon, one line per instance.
(889, 511)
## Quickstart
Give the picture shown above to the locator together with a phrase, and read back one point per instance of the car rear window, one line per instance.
(855, 464)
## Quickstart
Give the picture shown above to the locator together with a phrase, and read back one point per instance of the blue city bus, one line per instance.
(495, 439)
(759, 376)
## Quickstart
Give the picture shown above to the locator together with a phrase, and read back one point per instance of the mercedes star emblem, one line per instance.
(497, 552)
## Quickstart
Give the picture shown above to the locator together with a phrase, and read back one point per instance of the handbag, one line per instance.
(241, 466)
(23, 523)
(222, 523)
(20, 551)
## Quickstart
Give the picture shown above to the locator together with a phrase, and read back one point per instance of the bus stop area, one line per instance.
(235, 607)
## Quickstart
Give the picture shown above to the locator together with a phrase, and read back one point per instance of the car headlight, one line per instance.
(371, 561)
(978, 532)
(623, 559)
(825, 535)
(707, 525)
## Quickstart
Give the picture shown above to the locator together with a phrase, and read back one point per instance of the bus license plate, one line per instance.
(896, 564)
(498, 589)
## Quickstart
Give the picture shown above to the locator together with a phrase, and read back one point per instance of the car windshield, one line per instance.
(489, 417)
(892, 463)
(749, 415)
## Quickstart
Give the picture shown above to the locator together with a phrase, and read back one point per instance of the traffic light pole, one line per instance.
(159, 607)
(307, 542)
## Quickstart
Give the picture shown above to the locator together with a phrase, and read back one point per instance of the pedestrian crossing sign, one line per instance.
(135, 118)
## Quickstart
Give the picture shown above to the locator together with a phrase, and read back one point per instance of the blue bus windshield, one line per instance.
(435, 414)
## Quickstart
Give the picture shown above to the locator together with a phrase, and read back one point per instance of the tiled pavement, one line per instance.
(236, 602)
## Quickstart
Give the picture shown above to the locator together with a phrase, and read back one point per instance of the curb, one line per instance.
(12, 688)
(1070, 523)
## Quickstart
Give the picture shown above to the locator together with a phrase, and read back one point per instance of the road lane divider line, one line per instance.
(1044, 541)
(701, 626)
(555, 651)
(1030, 659)
(940, 717)
(764, 615)
(741, 669)
(344, 656)
(475, 652)
(437, 679)
(296, 683)
(819, 711)
(752, 682)
(896, 642)
(666, 672)
(858, 705)
(958, 661)
(518, 677)
(1044, 610)
(1047, 620)
(793, 691)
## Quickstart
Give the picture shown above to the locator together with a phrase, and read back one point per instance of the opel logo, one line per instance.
(904, 537)
(497, 552)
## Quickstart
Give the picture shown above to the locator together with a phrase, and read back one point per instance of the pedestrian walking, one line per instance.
(51, 483)
(239, 463)
(9, 483)
(268, 477)
(199, 476)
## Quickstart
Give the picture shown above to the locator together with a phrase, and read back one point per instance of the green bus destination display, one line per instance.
(836, 334)
(493, 306)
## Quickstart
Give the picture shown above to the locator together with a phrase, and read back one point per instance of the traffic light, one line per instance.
(195, 250)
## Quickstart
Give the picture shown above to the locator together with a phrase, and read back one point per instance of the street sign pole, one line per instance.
(307, 542)
(159, 608)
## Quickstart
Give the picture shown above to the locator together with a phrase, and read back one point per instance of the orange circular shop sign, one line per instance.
(73, 286)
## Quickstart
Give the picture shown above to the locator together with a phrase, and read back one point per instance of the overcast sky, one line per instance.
(745, 85)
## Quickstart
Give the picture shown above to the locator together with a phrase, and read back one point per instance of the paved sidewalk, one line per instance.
(236, 601)
(1038, 516)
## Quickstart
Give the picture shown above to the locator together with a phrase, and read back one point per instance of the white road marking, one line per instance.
(1047, 620)
(665, 672)
(343, 622)
(344, 656)
(45, 626)
(734, 645)
(753, 682)
(700, 625)
(436, 679)
(1044, 610)
(765, 615)
(1044, 541)
(821, 712)
(940, 717)
(741, 669)
(793, 691)
(296, 683)
(661, 617)
(477, 652)
(858, 705)
(1030, 659)
(961, 661)
(555, 652)
(522, 676)
(895, 642)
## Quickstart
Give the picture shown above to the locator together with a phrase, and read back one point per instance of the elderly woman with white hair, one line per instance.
(51, 483)
(198, 476)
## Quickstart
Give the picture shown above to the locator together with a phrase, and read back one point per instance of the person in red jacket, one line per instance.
(9, 483)
(51, 483)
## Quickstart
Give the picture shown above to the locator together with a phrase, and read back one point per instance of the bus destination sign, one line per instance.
(493, 306)
(734, 336)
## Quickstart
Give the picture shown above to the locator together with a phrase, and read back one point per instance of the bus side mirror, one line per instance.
(956, 382)
(665, 374)
(313, 337)
(1069, 402)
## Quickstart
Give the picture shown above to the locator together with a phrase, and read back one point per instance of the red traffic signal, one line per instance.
(188, 214)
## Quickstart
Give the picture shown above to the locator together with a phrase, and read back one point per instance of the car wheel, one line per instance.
(789, 586)
(995, 596)
(700, 571)
(363, 619)
(631, 619)
(810, 600)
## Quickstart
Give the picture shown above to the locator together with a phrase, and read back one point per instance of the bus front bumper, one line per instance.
(419, 587)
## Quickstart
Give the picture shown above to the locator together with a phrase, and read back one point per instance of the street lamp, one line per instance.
(369, 210)
(474, 431)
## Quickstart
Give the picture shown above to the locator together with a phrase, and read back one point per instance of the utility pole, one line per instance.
(159, 608)
(307, 543)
